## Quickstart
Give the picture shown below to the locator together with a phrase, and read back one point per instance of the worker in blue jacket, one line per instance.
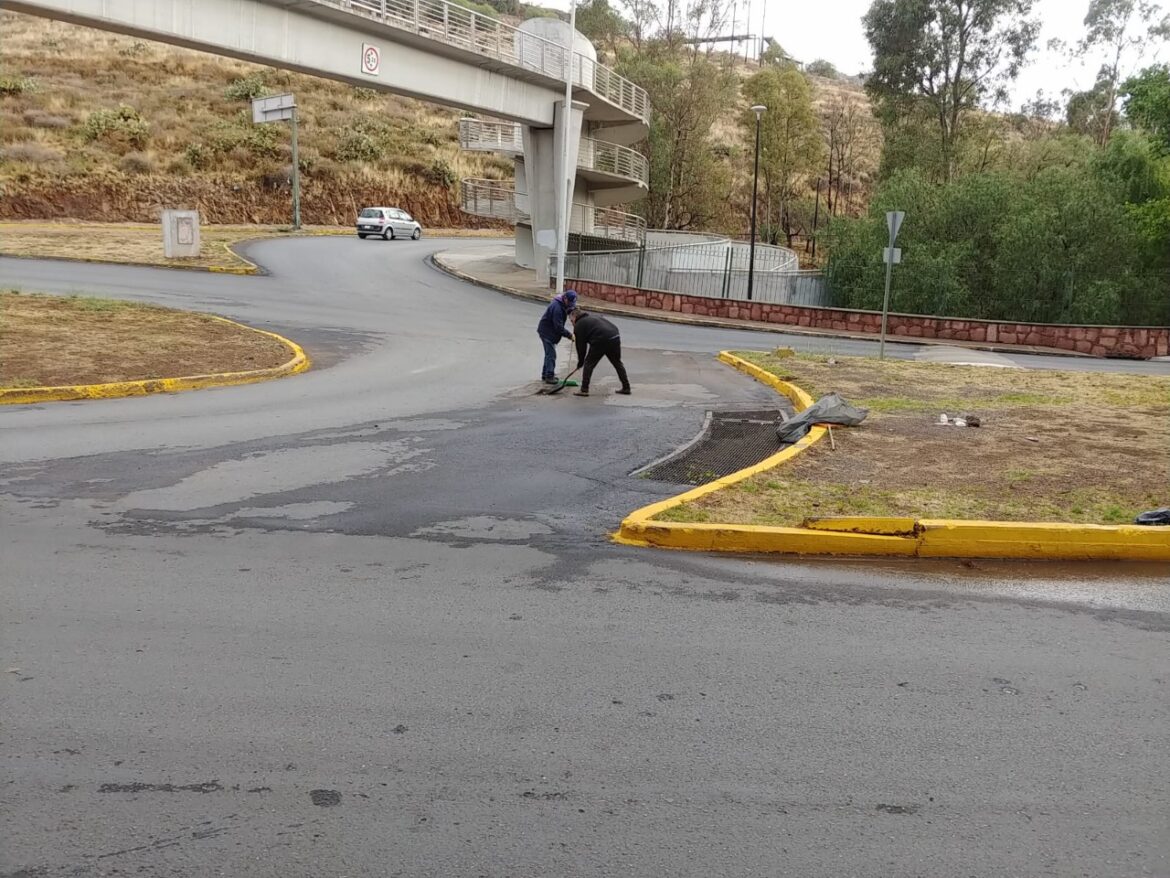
(551, 330)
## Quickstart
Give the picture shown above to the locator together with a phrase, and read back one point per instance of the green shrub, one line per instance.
(123, 125)
(246, 88)
(16, 85)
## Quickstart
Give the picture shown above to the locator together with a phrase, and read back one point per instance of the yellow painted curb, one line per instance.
(113, 390)
(889, 536)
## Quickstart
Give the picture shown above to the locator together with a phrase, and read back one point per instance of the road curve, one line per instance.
(366, 621)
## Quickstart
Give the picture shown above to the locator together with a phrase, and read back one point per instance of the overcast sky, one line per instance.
(831, 29)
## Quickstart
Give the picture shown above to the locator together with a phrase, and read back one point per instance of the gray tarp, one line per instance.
(831, 409)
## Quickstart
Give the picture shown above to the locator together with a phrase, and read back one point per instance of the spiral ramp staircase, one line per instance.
(607, 171)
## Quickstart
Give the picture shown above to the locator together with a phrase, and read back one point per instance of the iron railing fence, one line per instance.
(716, 270)
(460, 27)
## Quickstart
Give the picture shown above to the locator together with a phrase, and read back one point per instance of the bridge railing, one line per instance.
(497, 199)
(478, 134)
(456, 26)
(595, 155)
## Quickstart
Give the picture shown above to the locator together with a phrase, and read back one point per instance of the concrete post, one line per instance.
(546, 177)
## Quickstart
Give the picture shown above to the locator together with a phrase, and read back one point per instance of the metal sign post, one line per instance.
(890, 255)
(281, 108)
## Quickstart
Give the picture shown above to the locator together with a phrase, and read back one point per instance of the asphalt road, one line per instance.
(365, 621)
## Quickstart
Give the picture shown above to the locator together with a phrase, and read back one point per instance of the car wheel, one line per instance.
(361, 235)
(388, 234)
(417, 234)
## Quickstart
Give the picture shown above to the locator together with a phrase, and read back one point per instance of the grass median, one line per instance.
(49, 341)
(1081, 447)
(141, 243)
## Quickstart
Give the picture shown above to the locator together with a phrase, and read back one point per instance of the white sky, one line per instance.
(831, 29)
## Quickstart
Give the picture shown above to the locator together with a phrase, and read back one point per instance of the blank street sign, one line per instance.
(276, 108)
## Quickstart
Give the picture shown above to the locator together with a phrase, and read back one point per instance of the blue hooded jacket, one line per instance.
(552, 323)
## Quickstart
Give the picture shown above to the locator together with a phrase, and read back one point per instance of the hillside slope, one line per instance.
(103, 127)
(97, 126)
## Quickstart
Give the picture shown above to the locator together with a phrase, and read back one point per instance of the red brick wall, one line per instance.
(1100, 341)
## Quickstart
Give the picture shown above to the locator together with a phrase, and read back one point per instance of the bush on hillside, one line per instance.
(246, 88)
(123, 126)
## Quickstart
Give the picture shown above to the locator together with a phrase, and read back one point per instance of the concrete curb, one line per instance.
(30, 395)
(893, 536)
(774, 328)
(250, 269)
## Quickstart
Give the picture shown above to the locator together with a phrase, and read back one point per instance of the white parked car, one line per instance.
(388, 223)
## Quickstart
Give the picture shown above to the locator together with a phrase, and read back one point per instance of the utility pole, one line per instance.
(565, 208)
(758, 109)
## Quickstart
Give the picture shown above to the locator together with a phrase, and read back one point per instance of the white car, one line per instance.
(388, 223)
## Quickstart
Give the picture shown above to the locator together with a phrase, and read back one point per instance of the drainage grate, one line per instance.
(729, 441)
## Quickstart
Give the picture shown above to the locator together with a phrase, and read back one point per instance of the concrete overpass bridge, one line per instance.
(434, 51)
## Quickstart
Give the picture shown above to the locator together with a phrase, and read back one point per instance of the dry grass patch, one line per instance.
(46, 341)
(1083, 447)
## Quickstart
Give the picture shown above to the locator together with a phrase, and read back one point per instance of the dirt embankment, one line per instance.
(223, 200)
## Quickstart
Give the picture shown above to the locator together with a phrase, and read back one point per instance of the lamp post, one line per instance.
(758, 109)
(565, 202)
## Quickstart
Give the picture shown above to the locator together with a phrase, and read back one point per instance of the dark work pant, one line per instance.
(611, 349)
(549, 369)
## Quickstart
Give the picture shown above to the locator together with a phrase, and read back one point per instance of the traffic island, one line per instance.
(1058, 468)
(69, 348)
(141, 243)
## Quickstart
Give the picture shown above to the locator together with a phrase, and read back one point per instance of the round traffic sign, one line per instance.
(371, 59)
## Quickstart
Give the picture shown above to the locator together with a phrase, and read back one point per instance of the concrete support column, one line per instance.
(549, 184)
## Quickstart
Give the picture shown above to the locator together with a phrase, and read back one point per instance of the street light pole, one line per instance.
(565, 202)
(758, 109)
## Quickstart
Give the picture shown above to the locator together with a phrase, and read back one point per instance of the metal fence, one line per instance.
(714, 269)
(461, 28)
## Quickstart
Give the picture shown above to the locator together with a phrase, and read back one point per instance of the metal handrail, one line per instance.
(460, 27)
(593, 155)
(491, 136)
(497, 199)
(610, 158)
(490, 198)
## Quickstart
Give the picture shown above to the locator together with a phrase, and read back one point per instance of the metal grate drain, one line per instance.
(729, 441)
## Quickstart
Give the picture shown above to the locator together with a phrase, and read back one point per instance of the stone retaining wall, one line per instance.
(1135, 342)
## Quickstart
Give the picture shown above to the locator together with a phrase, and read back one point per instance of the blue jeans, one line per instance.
(550, 359)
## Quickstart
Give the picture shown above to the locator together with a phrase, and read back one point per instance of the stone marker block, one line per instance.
(180, 234)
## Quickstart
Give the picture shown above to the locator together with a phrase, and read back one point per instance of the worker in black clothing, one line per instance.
(596, 338)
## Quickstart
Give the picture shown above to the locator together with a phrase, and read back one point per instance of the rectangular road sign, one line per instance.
(897, 255)
(275, 108)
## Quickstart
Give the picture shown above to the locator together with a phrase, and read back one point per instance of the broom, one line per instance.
(565, 383)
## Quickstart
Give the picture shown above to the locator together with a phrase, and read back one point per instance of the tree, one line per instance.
(689, 186)
(945, 56)
(848, 131)
(775, 56)
(1121, 27)
(1093, 112)
(1147, 102)
(821, 67)
(791, 147)
(602, 24)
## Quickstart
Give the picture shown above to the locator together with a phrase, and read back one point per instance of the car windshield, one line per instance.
(370, 213)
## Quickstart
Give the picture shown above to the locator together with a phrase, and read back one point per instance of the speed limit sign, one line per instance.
(371, 60)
